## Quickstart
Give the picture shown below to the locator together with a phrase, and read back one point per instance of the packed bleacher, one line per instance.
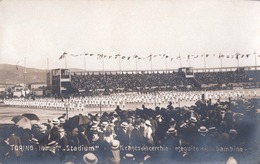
(203, 132)
(90, 83)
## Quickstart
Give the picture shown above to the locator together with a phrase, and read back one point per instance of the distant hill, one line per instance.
(12, 74)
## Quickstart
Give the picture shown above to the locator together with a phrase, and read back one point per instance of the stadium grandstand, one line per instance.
(84, 83)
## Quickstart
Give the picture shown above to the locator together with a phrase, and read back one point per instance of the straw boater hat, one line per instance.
(115, 144)
(104, 123)
(52, 143)
(233, 131)
(171, 130)
(148, 122)
(62, 120)
(203, 129)
(193, 119)
(129, 156)
(94, 127)
(34, 140)
(55, 121)
(42, 127)
(90, 158)
(124, 124)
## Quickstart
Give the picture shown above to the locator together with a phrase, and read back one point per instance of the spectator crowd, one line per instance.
(205, 131)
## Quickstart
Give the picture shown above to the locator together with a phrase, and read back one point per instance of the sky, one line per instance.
(39, 32)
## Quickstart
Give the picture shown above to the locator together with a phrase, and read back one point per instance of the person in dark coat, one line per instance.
(122, 135)
(62, 142)
(98, 145)
(137, 140)
(83, 139)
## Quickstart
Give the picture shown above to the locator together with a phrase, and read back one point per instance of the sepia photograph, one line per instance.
(129, 82)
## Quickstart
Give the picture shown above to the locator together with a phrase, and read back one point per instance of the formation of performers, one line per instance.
(206, 131)
(123, 99)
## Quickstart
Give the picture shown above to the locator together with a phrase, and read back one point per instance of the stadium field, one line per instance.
(8, 112)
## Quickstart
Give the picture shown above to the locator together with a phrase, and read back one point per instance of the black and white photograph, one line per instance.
(129, 82)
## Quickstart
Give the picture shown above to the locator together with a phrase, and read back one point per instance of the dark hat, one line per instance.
(90, 158)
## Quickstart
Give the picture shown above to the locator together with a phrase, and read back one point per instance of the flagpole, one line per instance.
(220, 57)
(255, 61)
(189, 61)
(25, 75)
(84, 62)
(136, 63)
(204, 61)
(151, 63)
(66, 61)
(119, 60)
(103, 66)
(237, 56)
(180, 60)
(166, 63)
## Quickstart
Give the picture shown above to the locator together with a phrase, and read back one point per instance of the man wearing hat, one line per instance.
(115, 159)
(62, 142)
(90, 158)
(122, 135)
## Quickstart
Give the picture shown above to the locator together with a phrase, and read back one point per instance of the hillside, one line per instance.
(12, 74)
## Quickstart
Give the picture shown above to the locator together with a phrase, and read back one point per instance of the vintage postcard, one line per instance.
(129, 82)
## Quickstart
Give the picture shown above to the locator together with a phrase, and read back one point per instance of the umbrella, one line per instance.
(78, 120)
(24, 123)
(31, 116)
(15, 119)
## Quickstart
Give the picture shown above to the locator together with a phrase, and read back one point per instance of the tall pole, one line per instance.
(151, 60)
(25, 76)
(166, 64)
(136, 64)
(84, 62)
(66, 61)
(237, 59)
(189, 61)
(103, 66)
(204, 61)
(180, 60)
(119, 60)
(255, 61)
(220, 57)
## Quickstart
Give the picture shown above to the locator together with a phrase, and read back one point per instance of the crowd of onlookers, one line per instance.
(116, 82)
(130, 81)
(238, 76)
(203, 132)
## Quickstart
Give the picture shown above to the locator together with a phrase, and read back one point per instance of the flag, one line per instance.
(237, 55)
(196, 56)
(128, 57)
(135, 56)
(86, 54)
(171, 59)
(63, 55)
(188, 57)
(123, 57)
(150, 57)
(91, 54)
(247, 55)
(139, 58)
(207, 55)
(166, 56)
(221, 56)
(109, 57)
(242, 56)
(117, 56)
